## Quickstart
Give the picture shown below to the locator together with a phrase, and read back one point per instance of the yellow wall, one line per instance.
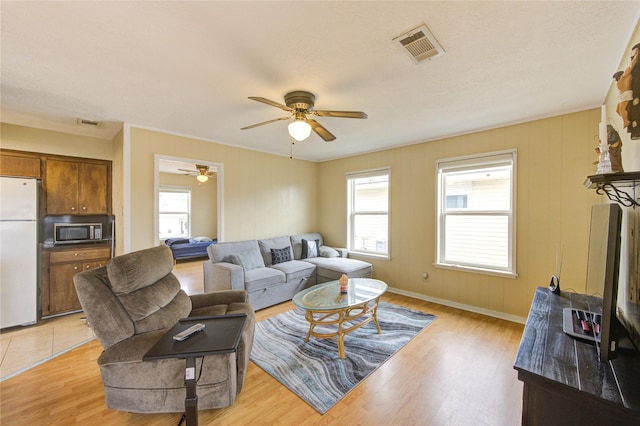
(553, 207)
(49, 142)
(264, 195)
(117, 179)
(204, 214)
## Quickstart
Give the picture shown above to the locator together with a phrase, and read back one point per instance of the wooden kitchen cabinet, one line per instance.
(77, 187)
(60, 265)
(19, 164)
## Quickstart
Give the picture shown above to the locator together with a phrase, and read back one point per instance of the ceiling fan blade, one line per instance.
(188, 171)
(270, 102)
(342, 114)
(266, 122)
(321, 130)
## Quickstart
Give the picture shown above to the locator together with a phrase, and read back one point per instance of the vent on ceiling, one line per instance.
(420, 44)
(84, 121)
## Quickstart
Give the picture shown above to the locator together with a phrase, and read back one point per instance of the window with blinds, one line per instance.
(476, 213)
(368, 210)
(174, 211)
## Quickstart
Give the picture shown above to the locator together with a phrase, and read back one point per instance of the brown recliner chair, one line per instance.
(130, 303)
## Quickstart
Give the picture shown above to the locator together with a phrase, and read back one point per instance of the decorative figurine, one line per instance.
(610, 154)
(628, 83)
(344, 283)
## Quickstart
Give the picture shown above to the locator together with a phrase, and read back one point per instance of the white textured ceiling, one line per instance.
(188, 67)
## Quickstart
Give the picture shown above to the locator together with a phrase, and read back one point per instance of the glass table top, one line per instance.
(327, 296)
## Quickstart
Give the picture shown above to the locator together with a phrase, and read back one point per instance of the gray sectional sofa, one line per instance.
(273, 270)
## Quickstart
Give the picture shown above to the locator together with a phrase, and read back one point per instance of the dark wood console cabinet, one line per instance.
(58, 268)
(564, 382)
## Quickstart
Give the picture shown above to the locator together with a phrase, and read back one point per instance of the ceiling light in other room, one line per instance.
(299, 130)
(202, 178)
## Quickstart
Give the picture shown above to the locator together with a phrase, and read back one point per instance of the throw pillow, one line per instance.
(280, 255)
(250, 259)
(325, 251)
(202, 239)
(309, 249)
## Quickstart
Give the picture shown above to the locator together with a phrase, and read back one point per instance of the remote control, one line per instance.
(188, 332)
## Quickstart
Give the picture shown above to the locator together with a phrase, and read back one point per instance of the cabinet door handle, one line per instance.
(75, 268)
(84, 208)
(73, 208)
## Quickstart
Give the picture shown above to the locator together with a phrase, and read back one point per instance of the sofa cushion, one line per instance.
(281, 255)
(326, 251)
(309, 248)
(122, 366)
(156, 306)
(220, 252)
(272, 243)
(334, 267)
(250, 259)
(296, 243)
(165, 316)
(139, 269)
(109, 320)
(256, 279)
(295, 269)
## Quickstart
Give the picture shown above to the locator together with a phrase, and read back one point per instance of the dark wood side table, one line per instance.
(564, 381)
(221, 335)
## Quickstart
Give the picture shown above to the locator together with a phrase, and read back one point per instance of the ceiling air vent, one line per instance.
(420, 44)
(84, 121)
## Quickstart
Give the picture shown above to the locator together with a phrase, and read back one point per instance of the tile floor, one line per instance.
(24, 347)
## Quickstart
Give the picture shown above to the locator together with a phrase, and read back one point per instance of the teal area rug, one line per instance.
(312, 370)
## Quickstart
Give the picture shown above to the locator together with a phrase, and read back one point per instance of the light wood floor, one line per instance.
(458, 371)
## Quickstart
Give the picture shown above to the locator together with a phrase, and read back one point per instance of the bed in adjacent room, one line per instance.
(189, 248)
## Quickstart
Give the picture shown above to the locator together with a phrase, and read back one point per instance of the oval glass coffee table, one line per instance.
(325, 305)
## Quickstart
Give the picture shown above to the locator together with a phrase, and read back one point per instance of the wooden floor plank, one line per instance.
(458, 371)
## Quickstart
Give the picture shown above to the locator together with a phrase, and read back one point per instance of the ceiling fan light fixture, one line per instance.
(299, 130)
(202, 178)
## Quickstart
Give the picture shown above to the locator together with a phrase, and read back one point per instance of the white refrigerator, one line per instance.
(18, 251)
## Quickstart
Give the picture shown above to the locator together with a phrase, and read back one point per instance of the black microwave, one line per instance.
(73, 233)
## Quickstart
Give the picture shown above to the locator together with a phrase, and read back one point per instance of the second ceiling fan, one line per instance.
(300, 104)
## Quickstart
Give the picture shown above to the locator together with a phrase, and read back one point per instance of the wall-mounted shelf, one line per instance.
(612, 185)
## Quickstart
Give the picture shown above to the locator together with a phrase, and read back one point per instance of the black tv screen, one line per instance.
(629, 285)
(603, 265)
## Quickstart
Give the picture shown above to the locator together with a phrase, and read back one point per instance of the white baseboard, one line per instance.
(470, 308)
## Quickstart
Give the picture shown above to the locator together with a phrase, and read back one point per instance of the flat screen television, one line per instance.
(628, 305)
(603, 266)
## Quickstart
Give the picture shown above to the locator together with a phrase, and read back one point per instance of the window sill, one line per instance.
(370, 255)
(462, 268)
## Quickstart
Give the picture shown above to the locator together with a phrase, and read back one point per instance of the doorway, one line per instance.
(203, 180)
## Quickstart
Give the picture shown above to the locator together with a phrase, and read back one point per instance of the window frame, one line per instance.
(177, 189)
(351, 214)
(469, 163)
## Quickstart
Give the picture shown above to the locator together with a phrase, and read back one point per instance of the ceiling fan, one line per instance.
(202, 173)
(300, 104)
